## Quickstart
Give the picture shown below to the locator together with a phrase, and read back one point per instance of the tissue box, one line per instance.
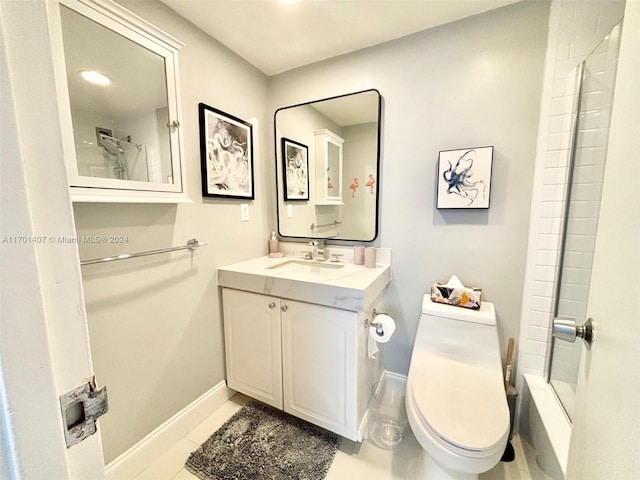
(458, 296)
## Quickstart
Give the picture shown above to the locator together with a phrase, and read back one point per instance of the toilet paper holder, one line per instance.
(368, 323)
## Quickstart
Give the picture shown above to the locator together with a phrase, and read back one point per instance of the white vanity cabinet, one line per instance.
(306, 359)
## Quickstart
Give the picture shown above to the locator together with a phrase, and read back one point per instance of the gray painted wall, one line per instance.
(471, 83)
(358, 217)
(155, 323)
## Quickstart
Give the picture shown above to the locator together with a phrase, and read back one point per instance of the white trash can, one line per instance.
(388, 412)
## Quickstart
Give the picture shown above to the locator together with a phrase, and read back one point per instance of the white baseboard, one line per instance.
(143, 453)
(395, 376)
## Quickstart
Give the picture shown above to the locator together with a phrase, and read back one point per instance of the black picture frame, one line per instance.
(226, 154)
(295, 170)
(464, 178)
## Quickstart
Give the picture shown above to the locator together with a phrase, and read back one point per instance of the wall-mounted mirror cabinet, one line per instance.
(123, 97)
(328, 160)
(340, 138)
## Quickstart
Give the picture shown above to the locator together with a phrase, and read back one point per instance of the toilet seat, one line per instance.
(457, 402)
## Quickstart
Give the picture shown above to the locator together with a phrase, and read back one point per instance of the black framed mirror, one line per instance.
(328, 167)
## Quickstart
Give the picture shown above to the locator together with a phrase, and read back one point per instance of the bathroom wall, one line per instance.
(155, 322)
(471, 83)
(360, 148)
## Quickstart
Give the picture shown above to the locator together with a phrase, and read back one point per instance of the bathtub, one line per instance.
(544, 425)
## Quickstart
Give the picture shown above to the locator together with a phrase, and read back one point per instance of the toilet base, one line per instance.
(426, 468)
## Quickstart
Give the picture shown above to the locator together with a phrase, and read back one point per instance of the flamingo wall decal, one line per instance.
(354, 186)
(370, 183)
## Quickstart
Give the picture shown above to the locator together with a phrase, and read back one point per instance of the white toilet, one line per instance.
(455, 399)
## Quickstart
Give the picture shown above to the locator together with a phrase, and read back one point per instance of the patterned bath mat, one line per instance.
(260, 443)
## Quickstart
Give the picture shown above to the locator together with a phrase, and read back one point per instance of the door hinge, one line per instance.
(81, 407)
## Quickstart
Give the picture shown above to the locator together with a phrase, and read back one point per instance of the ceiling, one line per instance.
(137, 73)
(276, 36)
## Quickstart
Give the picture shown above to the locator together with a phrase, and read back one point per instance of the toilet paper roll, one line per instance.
(388, 327)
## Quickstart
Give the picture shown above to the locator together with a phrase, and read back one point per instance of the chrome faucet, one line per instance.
(318, 250)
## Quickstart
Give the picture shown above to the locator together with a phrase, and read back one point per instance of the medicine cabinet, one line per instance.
(123, 138)
(328, 167)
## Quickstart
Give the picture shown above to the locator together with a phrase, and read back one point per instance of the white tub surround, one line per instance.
(349, 287)
(554, 421)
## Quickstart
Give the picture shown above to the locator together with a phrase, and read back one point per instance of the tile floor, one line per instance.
(352, 461)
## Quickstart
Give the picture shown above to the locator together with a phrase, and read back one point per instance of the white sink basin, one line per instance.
(306, 267)
(339, 285)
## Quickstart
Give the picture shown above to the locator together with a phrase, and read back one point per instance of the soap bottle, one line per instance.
(273, 243)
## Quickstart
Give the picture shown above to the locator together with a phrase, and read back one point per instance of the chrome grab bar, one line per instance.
(191, 245)
(335, 223)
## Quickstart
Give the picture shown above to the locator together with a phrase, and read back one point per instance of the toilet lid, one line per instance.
(464, 405)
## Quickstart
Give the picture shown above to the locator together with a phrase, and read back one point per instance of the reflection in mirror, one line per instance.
(119, 107)
(342, 135)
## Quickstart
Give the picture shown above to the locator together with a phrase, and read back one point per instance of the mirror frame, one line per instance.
(378, 169)
(118, 19)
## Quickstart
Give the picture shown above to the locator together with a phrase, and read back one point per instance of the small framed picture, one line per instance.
(295, 170)
(226, 153)
(464, 178)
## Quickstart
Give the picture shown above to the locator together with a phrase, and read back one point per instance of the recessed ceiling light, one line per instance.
(289, 1)
(95, 77)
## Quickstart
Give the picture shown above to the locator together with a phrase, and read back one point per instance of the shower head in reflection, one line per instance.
(111, 145)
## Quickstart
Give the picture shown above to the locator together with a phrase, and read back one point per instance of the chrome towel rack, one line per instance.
(335, 223)
(191, 245)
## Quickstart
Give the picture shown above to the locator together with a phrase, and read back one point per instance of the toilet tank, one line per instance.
(468, 335)
(485, 315)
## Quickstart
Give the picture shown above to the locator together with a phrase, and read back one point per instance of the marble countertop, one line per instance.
(352, 287)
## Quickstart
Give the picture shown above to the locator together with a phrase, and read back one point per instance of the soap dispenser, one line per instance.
(273, 243)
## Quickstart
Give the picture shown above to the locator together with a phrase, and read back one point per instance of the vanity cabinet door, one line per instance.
(252, 343)
(319, 365)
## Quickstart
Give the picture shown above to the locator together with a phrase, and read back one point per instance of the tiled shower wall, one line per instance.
(588, 175)
(575, 29)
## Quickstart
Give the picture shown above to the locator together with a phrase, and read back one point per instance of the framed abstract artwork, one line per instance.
(295, 168)
(464, 178)
(226, 153)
